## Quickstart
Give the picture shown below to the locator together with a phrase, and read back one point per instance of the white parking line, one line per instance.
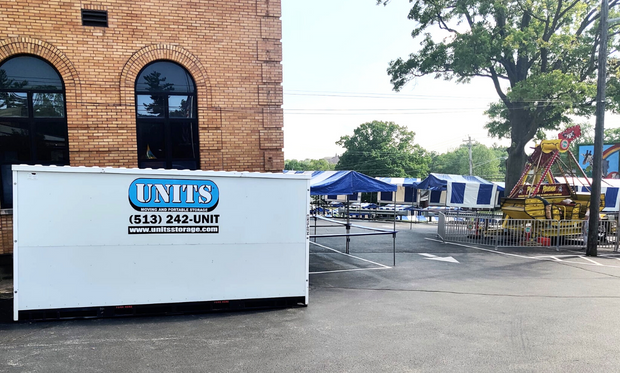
(549, 258)
(590, 260)
(381, 266)
(345, 270)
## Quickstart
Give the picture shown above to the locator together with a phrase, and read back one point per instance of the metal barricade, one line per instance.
(370, 231)
(493, 230)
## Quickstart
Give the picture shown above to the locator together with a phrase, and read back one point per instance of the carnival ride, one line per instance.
(543, 203)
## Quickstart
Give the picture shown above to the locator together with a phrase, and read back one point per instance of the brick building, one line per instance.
(160, 84)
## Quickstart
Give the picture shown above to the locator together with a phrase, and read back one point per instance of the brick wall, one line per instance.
(231, 48)
(6, 233)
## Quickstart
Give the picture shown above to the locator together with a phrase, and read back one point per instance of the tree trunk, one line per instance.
(522, 130)
(514, 164)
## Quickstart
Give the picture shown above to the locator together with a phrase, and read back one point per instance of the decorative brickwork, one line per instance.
(271, 28)
(270, 94)
(233, 55)
(272, 72)
(269, 50)
(273, 161)
(24, 45)
(172, 52)
(273, 117)
(271, 139)
(269, 8)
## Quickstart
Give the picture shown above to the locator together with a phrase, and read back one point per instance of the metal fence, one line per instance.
(367, 231)
(493, 230)
(411, 215)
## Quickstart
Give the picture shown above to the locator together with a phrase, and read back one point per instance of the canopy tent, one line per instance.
(609, 187)
(343, 183)
(400, 181)
(462, 191)
(318, 176)
(325, 183)
(501, 192)
(347, 183)
(405, 192)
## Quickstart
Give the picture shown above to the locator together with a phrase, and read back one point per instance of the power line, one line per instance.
(413, 96)
(380, 95)
(380, 111)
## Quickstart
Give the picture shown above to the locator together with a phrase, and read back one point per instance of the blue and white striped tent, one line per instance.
(319, 176)
(501, 192)
(406, 192)
(343, 183)
(462, 191)
(609, 187)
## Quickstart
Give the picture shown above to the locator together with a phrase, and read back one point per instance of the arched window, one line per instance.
(166, 117)
(33, 125)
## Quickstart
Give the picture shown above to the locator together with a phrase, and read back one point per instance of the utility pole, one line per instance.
(471, 163)
(597, 171)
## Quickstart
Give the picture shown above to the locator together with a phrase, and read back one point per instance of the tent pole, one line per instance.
(315, 227)
(348, 226)
(376, 206)
(411, 212)
(394, 234)
(394, 200)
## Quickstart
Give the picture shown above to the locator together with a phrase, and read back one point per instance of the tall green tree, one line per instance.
(308, 165)
(383, 149)
(539, 54)
(486, 161)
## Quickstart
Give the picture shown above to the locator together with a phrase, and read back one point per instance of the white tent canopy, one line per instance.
(609, 187)
(463, 191)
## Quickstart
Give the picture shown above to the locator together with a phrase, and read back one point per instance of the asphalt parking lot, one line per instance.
(442, 308)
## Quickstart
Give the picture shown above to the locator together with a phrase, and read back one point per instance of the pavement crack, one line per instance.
(475, 293)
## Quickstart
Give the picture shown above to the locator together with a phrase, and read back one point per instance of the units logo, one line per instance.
(173, 195)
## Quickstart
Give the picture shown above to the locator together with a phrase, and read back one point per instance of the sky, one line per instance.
(335, 56)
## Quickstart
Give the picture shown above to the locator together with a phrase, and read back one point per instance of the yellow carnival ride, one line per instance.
(542, 203)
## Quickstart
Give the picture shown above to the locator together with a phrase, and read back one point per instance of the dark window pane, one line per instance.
(30, 88)
(183, 140)
(164, 76)
(151, 105)
(51, 143)
(48, 105)
(184, 165)
(6, 177)
(13, 104)
(149, 163)
(151, 143)
(181, 106)
(14, 142)
(166, 97)
(26, 72)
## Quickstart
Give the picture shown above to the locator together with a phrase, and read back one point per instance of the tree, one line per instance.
(157, 106)
(543, 51)
(486, 161)
(12, 103)
(383, 149)
(612, 136)
(308, 165)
